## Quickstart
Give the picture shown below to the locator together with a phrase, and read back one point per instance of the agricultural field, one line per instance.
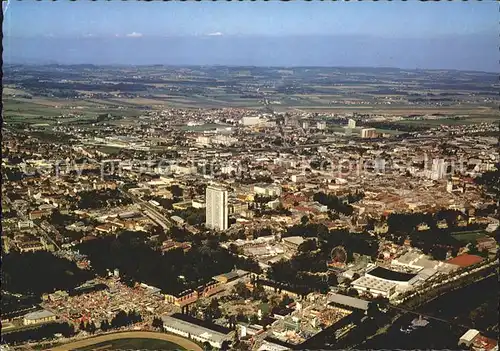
(454, 121)
(42, 111)
(129, 91)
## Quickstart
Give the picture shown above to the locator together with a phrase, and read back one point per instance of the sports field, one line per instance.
(133, 344)
(131, 340)
(469, 236)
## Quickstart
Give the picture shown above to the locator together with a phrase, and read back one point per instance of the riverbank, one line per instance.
(455, 306)
(459, 305)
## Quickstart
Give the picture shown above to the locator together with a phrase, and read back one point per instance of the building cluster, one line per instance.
(306, 319)
(477, 342)
(248, 177)
(102, 299)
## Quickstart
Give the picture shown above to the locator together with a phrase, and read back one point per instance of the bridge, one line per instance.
(429, 316)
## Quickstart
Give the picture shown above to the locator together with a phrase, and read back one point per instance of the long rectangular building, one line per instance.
(191, 330)
(347, 302)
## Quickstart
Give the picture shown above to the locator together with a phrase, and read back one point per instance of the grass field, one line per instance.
(131, 340)
(51, 111)
(469, 236)
(24, 107)
(133, 344)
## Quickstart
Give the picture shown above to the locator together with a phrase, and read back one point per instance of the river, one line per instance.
(475, 305)
(456, 306)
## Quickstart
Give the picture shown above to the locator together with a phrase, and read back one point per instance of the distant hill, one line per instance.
(464, 52)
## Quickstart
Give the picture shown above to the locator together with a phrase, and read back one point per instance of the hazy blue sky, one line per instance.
(102, 18)
(412, 34)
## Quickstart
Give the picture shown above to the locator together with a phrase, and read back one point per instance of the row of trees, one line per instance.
(45, 331)
(88, 327)
(121, 319)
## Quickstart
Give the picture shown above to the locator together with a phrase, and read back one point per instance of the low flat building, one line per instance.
(31, 246)
(419, 261)
(271, 346)
(227, 277)
(197, 330)
(231, 276)
(293, 242)
(482, 343)
(267, 189)
(368, 133)
(374, 286)
(38, 317)
(280, 288)
(468, 337)
(177, 220)
(343, 301)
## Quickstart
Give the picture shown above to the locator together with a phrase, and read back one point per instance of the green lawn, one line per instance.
(469, 236)
(133, 344)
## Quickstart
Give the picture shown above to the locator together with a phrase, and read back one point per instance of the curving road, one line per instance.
(182, 342)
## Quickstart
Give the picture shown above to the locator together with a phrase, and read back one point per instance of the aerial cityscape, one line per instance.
(221, 190)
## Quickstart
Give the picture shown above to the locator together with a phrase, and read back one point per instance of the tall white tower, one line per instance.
(216, 208)
(439, 168)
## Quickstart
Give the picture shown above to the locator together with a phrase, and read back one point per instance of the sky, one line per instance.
(114, 28)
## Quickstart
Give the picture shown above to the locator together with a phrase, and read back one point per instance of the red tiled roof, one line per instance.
(465, 260)
(483, 343)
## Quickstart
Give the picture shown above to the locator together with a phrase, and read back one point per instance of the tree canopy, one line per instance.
(139, 262)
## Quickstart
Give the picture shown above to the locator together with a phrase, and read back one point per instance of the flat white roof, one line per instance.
(297, 240)
(469, 335)
(38, 315)
(270, 346)
(194, 329)
(374, 283)
(348, 301)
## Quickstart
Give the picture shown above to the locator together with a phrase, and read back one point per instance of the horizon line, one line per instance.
(222, 35)
(173, 65)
